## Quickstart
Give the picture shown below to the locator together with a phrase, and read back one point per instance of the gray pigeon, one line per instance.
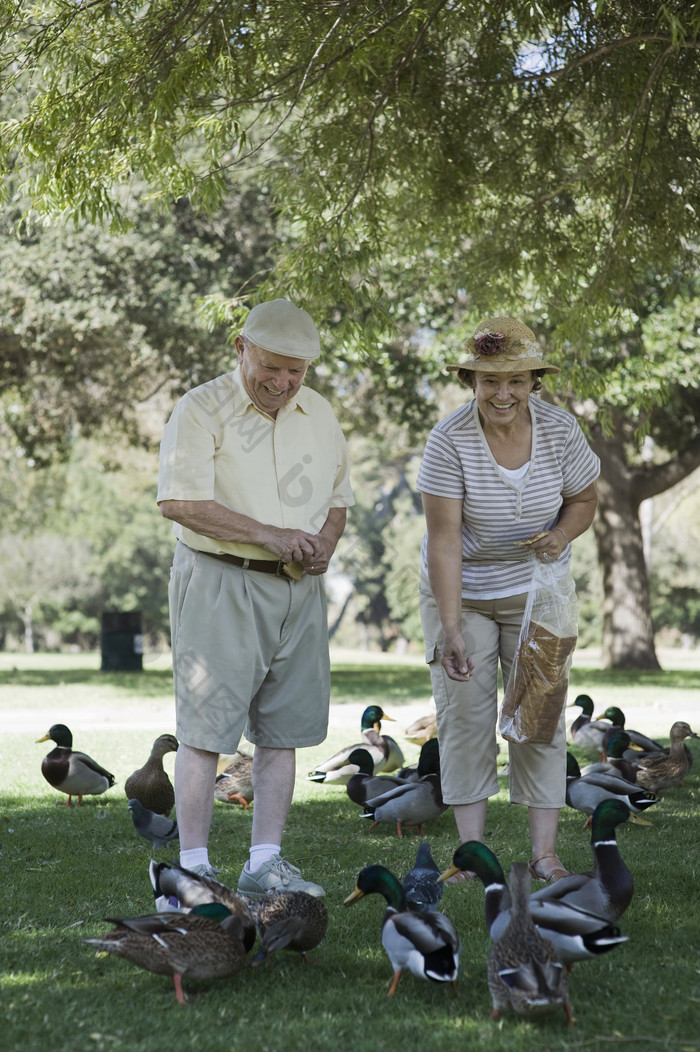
(156, 828)
(420, 885)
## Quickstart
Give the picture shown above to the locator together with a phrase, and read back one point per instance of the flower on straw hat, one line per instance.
(488, 343)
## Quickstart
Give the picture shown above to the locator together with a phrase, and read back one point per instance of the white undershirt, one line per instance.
(515, 475)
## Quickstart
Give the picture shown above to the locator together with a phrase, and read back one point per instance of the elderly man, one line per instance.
(254, 472)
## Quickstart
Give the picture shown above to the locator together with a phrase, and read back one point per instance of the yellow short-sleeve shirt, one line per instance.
(286, 472)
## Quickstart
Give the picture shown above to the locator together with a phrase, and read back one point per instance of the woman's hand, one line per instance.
(550, 544)
(453, 657)
(547, 544)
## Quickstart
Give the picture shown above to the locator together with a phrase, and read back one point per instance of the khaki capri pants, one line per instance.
(467, 713)
(250, 655)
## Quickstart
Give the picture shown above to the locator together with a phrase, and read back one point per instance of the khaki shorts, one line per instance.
(250, 655)
(467, 712)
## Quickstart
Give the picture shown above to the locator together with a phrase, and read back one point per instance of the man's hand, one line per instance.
(317, 562)
(289, 546)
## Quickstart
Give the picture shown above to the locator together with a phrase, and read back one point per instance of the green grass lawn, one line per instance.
(65, 870)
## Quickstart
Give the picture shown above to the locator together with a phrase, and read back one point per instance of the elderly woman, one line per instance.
(505, 468)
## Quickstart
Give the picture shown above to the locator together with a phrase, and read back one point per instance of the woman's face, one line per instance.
(502, 397)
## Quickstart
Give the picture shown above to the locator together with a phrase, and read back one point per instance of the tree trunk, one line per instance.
(628, 634)
(336, 624)
(28, 621)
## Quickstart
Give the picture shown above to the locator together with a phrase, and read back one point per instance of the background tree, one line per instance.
(95, 324)
(78, 538)
(96, 543)
(498, 148)
(109, 507)
(429, 162)
(675, 577)
(40, 566)
(379, 552)
(658, 350)
(40, 571)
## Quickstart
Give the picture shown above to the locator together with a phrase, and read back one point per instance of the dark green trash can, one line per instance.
(122, 641)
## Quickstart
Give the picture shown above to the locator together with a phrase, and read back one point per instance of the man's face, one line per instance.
(270, 379)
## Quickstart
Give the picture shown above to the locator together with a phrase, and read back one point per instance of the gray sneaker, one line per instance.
(203, 870)
(276, 875)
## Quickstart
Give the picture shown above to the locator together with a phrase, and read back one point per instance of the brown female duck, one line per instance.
(206, 943)
(657, 771)
(523, 969)
(288, 920)
(150, 784)
(234, 784)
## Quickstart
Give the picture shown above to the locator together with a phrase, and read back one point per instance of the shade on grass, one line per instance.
(65, 870)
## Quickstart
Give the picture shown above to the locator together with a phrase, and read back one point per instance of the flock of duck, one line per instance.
(203, 930)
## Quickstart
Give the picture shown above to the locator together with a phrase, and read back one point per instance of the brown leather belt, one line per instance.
(260, 565)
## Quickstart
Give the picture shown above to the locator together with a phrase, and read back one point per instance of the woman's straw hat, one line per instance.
(503, 345)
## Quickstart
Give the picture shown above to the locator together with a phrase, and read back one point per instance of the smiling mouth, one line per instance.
(508, 406)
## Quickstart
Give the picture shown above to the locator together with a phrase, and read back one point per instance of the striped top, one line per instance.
(458, 463)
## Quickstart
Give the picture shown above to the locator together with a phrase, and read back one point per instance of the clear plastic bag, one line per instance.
(539, 677)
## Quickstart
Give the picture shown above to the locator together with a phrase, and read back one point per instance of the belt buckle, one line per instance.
(279, 569)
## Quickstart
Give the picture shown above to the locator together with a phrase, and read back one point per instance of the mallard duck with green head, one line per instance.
(206, 943)
(384, 750)
(71, 772)
(150, 784)
(288, 920)
(585, 732)
(579, 927)
(409, 805)
(607, 889)
(637, 740)
(424, 943)
(615, 762)
(585, 793)
(523, 969)
(365, 784)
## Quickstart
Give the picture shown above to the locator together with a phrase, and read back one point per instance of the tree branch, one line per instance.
(603, 51)
(650, 480)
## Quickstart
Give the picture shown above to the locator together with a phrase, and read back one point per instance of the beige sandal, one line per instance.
(552, 873)
(460, 877)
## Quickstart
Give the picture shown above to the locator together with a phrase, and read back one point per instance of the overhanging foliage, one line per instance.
(541, 152)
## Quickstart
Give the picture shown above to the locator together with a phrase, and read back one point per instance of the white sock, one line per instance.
(195, 856)
(261, 853)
